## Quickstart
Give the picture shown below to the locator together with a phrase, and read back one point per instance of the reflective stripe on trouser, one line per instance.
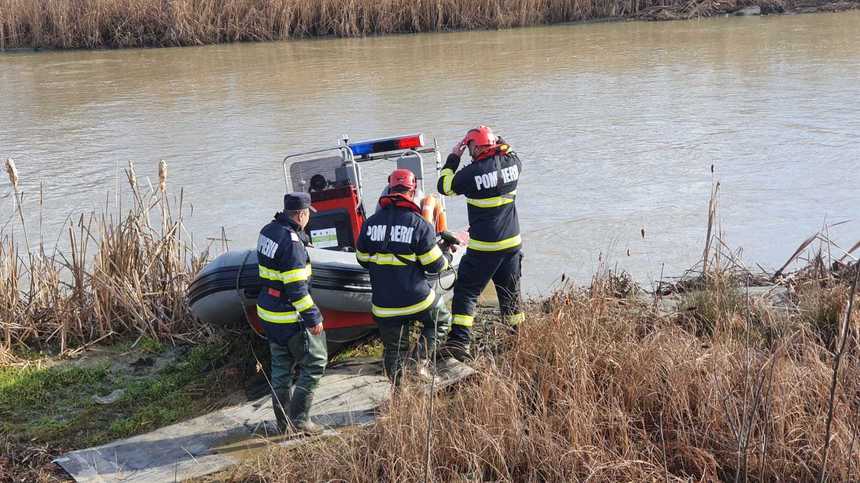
(305, 350)
(390, 312)
(475, 272)
(286, 276)
(290, 317)
(495, 246)
(435, 324)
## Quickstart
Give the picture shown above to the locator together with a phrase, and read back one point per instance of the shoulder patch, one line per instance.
(294, 237)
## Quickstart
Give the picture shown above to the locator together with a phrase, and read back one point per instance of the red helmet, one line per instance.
(401, 178)
(481, 136)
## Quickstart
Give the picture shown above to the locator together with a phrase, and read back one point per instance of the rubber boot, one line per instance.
(455, 349)
(457, 344)
(300, 408)
(279, 404)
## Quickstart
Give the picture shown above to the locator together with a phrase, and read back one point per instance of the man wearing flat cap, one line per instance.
(291, 320)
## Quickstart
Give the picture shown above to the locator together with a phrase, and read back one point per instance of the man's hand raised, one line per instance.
(458, 149)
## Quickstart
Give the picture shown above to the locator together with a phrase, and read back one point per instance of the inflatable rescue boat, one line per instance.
(225, 291)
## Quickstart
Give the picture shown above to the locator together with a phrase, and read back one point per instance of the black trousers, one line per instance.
(475, 272)
(435, 324)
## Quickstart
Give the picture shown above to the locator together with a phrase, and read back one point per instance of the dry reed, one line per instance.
(137, 23)
(606, 389)
(119, 275)
(600, 385)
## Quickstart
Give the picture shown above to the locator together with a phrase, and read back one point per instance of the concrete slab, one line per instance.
(347, 396)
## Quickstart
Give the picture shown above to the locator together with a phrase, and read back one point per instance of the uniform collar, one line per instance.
(283, 219)
(397, 200)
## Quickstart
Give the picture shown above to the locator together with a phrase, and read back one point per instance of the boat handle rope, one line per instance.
(242, 298)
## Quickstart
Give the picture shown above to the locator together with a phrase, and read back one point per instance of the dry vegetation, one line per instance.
(136, 23)
(605, 388)
(604, 384)
(123, 274)
(600, 384)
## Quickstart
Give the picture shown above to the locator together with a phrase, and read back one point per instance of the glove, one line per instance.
(458, 149)
(449, 238)
(448, 243)
(453, 162)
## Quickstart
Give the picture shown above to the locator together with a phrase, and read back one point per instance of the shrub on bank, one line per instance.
(122, 274)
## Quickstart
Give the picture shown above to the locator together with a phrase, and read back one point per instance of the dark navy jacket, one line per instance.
(285, 272)
(490, 187)
(398, 247)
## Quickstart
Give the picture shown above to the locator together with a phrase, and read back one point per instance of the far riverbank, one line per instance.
(46, 24)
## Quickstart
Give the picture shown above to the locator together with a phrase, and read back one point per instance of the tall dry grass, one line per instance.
(121, 273)
(605, 384)
(603, 388)
(136, 23)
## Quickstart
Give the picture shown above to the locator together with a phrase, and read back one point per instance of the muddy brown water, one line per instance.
(618, 125)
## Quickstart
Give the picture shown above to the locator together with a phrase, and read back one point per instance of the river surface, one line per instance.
(618, 125)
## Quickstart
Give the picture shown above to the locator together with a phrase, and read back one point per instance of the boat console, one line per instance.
(334, 183)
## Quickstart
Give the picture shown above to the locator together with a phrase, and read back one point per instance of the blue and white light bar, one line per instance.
(384, 145)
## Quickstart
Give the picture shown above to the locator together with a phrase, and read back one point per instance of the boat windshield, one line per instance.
(319, 174)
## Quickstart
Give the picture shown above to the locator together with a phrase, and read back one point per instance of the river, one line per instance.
(618, 125)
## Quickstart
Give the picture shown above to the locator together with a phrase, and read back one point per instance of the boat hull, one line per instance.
(225, 293)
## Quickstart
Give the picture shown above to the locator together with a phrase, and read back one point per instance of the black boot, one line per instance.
(458, 349)
(280, 403)
(300, 408)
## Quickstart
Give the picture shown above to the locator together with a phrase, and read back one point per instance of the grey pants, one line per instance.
(307, 352)
(436, 323)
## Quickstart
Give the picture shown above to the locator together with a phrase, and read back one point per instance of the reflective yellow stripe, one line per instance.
(483, 246)
(398, 311)
(277, 317)
(464, 320)
(267, 274)
(385, 258)
(447, 176)
(296, 275)
(493, 202)
(515, 319)
(289, 276)
(304, 303)
(431, 256)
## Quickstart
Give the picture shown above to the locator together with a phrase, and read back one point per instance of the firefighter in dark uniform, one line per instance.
(291, 320)
(398, 247)
(494, 252)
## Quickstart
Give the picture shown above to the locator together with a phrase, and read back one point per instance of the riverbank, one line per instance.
(603, 387)
(708, 379)
(152, 23)
(50, 405)
(704, 378)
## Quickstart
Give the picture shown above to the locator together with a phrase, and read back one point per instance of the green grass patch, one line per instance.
(144, 344)
(371, 349)
(55, 405)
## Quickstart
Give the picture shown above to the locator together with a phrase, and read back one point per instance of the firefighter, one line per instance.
(494, 252)
(398, 247)
(291, 320)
